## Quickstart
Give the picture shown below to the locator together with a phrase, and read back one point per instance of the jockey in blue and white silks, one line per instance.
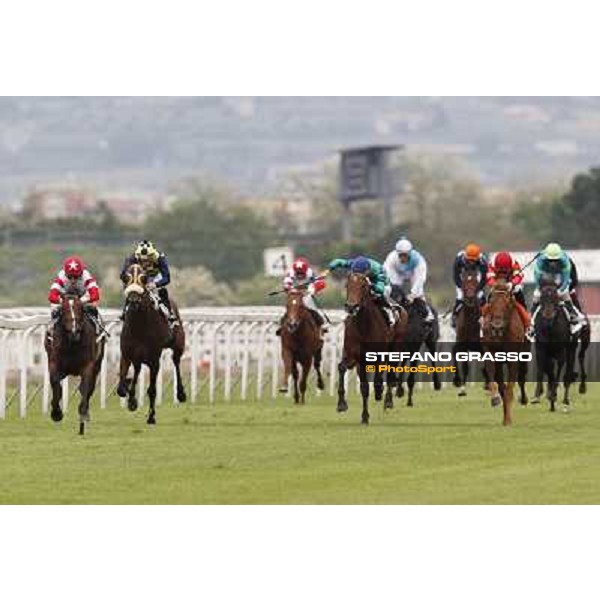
(403, 265)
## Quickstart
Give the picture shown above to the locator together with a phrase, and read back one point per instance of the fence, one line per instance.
(231, 353)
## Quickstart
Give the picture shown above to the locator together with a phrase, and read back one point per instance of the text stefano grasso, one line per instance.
(390, 357)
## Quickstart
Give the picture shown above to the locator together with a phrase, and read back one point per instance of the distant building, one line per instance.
(64, 200)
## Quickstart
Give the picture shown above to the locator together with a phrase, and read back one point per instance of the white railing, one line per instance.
(231, 353)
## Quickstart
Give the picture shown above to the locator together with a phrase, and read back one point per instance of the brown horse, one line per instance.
(73, 349)
(467, 329)
(145, 334)
(503, 331)
(301, 344)
(366, 324)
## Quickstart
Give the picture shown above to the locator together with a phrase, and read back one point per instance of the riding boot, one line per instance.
(319, 320)
(458, 304)
(429, 316)
(576, 319)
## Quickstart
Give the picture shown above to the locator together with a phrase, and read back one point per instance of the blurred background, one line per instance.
(215, 181)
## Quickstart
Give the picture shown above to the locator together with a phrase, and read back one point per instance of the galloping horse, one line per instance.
(73, 349)
(365, 324)
(503, 331)
(145, 334)
(467, 329)
(301, 343)
(554, 345)
(418, 333)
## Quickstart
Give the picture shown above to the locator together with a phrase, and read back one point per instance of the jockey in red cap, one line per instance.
(504, 267)
(302, 275)
(75, 278)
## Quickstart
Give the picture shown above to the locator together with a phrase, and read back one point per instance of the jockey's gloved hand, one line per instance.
(336, 264)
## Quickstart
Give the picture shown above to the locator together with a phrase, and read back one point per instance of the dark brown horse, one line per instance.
(146, 333)
(467, 329)
(503, 331)
(301, 344)
(73, 348)
(366, 324)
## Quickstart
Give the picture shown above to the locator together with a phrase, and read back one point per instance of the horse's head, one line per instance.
(71, 317)
(549, 300)
(135, 289)
(469, 286)
(294, 309)
(500, 308)
(357, 291)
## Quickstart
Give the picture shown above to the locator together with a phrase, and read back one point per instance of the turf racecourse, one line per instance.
(445, 450)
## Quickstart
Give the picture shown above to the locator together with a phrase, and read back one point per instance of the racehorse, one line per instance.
(145, 334)
(554, 345)
(73, 348)
(467, 329)
(503, 331)
(366, 324)
(418, 333)
(301, 343)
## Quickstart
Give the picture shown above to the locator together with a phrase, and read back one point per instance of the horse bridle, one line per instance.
(353, 309)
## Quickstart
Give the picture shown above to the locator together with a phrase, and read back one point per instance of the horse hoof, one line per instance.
(462, 393)
(342, 406)
(283, 390)
(400, 392)
(132, 404)
(56, 415)
(582, 387)
(535, 400)
(81, 428)
(496, 401)
(122, 390)
(524, 401)
(388, 404)
(320, 384)
(364, 420)
(151, 420)
(437, 386)
(181, 396)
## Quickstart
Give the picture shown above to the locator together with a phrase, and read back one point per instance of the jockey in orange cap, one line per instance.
(505, 268)
(300, 275)
(74, 278)
(471, 258)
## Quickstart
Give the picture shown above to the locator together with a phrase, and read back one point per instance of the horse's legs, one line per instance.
(581, 359)
(552, 383)
(132, 403)
(123, 387)
(56, 412)
(295, 378)
(388, 403)
(288, 360)
(456, 380)
(342, 405)
(431, 345)
(493, 390)
(378, 386)
(522, 381)
(318, 360)
(364, 392)
(86, 390)
(507, 400)
(539, 367)
(410, 383)
(177, 353)
(306, 366)
(465, 377)
(400, 382)
(154, 367)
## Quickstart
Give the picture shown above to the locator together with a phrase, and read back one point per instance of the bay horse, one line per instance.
(503, 331)
(73, 348)
(366, 324)
(145, 334)
(554, 345)
(301, 344)
(468, 330)
(418, 333)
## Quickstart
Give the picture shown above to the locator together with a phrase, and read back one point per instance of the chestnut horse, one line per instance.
(73, 349)
(301, 344)
(366, 324)
(145, 334)
(503, 331)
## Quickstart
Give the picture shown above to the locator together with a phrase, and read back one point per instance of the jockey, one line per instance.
(156, 266)
(380, 283)
(553, 263)
(471, 258)
(574, 285)
(407, 264)
(505, 267)
(300, 275)
(75, 278)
